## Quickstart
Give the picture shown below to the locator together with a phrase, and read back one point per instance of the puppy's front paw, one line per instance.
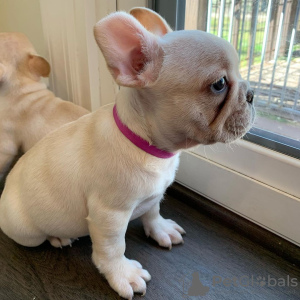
(165, 231)
(127, 277)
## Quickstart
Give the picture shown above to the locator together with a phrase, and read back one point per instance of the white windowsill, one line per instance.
(254, 182)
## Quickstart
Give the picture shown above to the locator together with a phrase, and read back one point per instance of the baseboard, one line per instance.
(254, 232)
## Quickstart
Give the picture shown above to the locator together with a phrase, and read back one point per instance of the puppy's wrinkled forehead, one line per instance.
(198, 52)
(14, 46)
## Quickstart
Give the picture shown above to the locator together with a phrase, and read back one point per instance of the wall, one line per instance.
(24, 16)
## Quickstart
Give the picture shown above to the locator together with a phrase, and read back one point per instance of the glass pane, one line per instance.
(266, 35)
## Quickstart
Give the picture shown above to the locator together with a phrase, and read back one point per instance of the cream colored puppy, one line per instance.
(96, 174)
(28, 110)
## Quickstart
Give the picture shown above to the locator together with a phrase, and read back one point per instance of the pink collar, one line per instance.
(138, 141)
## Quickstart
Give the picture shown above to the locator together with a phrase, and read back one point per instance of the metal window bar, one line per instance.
(252, 47)
(221, 19)
(290, 57)
(231, 20)
(282, 15)
(209, 15)
(263, 52)
(243, 28)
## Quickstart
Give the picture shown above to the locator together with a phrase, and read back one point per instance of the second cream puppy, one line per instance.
(28, 110)
(94, 175)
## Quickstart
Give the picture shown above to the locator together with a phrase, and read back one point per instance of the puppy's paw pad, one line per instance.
(59, 242)
(166, 232)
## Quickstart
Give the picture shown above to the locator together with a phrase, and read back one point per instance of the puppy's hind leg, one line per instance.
(59, 242)
(16, 224)
(22, 233)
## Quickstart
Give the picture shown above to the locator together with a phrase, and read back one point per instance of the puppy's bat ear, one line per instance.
(151, 20)
(133, 54)
(38, 66)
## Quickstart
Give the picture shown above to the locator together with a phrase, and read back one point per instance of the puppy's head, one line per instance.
(18, 60)
(188, 82)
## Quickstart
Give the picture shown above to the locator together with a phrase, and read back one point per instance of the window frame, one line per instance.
(274, 142)
(172, 10)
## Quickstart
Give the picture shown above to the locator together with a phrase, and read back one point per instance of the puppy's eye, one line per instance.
(219, 86)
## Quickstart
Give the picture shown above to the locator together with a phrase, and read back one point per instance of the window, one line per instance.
(255, 182)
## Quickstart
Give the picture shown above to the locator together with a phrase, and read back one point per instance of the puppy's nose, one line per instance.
(250, 95)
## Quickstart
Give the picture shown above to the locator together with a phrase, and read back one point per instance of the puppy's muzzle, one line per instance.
(250, 96)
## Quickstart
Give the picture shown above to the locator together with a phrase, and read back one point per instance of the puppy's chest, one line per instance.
(154, 185)
(160, 176)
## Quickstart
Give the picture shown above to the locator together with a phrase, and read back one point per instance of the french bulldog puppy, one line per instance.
(28, 110)
(94, 175)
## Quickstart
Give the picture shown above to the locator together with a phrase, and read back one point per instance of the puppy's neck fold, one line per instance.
(32, 87)
(137, 113)
(132, 114)
(27, 87)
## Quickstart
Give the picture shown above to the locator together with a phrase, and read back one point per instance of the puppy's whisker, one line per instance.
(246, 135)
(230, 147)
(212, 148)
(235, 144)
(205, 152)
(235, 133)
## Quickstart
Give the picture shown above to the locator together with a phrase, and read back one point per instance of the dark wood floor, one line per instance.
(211, 249)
